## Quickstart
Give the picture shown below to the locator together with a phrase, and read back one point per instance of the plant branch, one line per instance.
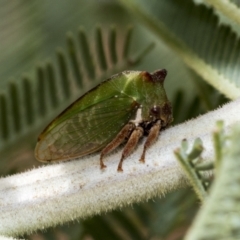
(62, 192)
(228, 8)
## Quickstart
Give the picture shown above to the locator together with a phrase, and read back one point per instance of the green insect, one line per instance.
(121, 109)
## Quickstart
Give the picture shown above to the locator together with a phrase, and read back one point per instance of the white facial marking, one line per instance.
(138, 117)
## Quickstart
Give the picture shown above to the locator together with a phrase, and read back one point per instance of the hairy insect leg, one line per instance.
(122, 135)
(152, 137)
(131, 144)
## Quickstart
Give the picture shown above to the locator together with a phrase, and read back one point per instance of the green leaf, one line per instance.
(219, 216)
(189, 161)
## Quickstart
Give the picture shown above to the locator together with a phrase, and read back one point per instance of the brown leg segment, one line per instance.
(131, 144)
(122, 135)
(152, 137)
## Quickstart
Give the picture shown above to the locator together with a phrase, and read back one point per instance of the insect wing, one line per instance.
(87, 131)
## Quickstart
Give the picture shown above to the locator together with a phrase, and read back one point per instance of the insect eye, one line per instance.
(166, 113)
(155, 111)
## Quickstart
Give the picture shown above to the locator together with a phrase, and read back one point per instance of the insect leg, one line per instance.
(131, 144)
(122, 135)
(152, 137)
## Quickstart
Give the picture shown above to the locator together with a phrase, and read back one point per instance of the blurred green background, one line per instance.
(30, 34)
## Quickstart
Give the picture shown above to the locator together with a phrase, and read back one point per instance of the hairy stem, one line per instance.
(66, 191)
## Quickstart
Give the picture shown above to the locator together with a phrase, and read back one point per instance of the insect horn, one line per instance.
(159, 75)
